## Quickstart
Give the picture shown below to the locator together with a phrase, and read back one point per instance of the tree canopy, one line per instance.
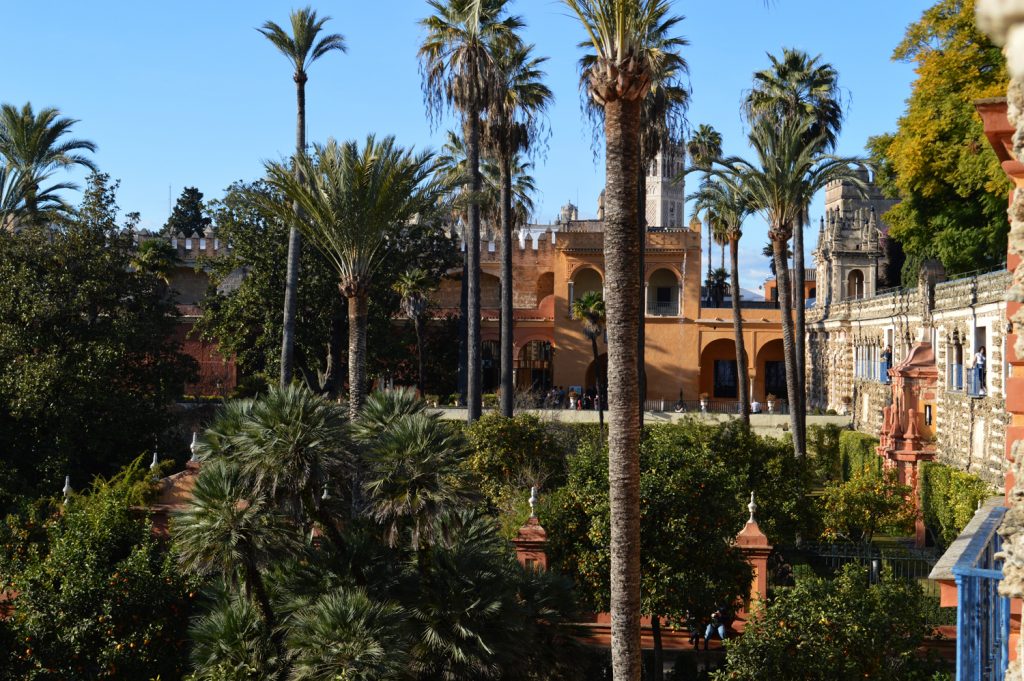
(189, 216)
(952, 190)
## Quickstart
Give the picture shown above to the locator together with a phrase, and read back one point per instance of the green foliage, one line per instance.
(189, 215)
(87, 361)
(938, 162)
(824, 452)
(857, 452)
(97, 596)
(949, 499)
(844, 629)
(867, 503)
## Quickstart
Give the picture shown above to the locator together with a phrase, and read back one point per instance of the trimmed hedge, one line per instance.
(823, 449)
(949, 498)
(856, 452)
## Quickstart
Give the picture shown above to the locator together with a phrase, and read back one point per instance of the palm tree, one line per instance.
(380, 411)
(412, 288)
(512, 126)
(231, 643)
(705, 147)
(352, 201)
(32, 147)
(458, 65)
(798, 86)
(303, 47)
(347, 635)
(589, 310)
(628, 51)
(789, 169)
(17, 189)
(726, 210)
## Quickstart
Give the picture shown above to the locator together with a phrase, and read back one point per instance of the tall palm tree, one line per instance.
(16, 191)
(788, 170)
(621, 34)
(589, 310)
(726, 210)
(458, 65)
(798, 86)
(412, 288)
(34, 145)
(303, 47)
(512, 126)
(352, 201)
(704, 148)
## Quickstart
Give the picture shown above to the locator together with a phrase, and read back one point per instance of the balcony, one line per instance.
(975, 383)
(972, 567)
(662, 309)
(955, 378)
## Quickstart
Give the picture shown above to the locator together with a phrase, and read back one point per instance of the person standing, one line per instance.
(979, 369)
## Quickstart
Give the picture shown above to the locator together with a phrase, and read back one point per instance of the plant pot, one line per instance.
(771, 407)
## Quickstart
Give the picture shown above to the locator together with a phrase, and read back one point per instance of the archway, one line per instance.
(663, 294)
(855, 284)
(585, 280)
(545, 286)
(534, 369)
(718, 375)
(771, 371)
(601, 369)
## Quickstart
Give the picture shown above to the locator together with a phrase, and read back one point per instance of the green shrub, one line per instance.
(949, 498)
(857, 452)
(823, 450)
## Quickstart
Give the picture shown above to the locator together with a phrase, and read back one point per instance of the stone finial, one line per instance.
(155, 465)
(326, 495)
(533, 502)
(194, 447)
(67, 488)
(752, 507)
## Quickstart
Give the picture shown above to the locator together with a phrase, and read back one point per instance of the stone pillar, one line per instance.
(755, 547)
(1003, 21)
(532, 540)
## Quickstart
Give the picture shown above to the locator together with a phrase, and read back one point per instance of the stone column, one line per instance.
(1003, 20)
(755, 547)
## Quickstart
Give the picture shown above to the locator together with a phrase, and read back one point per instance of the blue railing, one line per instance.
(982, 616)
(883, 371)
(975, 384)
(955, 379)
(872, 370)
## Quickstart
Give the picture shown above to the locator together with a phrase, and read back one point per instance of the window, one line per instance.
(726, 378)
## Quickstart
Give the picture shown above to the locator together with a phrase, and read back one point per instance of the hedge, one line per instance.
(857, 451)
(949, 498)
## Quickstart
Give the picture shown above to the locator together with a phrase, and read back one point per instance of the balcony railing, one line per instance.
(955, 377)
(983, 616)
(871, 370)
(975, 383)
(662, 309)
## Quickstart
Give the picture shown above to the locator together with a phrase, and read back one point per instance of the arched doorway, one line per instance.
(718, 375)
(663, 294)
(585, 280)
(533, 369)
(855, 284)
(595, 371)
(490, 365)
(771, 371)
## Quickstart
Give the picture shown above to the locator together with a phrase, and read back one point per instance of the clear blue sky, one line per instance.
(188, 93)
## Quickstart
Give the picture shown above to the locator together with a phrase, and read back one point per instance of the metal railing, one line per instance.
(975, 383)
(983, 616)
(905, 563)
(662, 309)
(955, 378)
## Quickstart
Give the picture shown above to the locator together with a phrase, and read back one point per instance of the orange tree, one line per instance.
(865, 504)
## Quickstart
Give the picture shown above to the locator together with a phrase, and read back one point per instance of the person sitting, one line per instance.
(755, 407)
(692, 625)
(718, 624)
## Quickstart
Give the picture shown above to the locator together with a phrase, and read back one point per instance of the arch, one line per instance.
(544, 287)
(579, 267)
(770, 368)
(601, 369)
(534, 365)
(663, 293)
(855, 284)
(718, 374)
(585, 280)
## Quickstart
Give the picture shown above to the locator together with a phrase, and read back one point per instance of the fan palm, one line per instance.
(798, 86)
(32, 146)
(415, 474)
(412, 288)
(590, 311)
(347, 635)
(726, 209)
(627, 53)
(353, 200)
(303, 47)
(230, 643)
(512, 126)
(228, 530)
(381, 409)
(458, 64)
(788, 171)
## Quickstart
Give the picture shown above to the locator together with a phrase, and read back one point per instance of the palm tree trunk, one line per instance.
(473, 387)
(742, 372)
(332, 372)
(291, 285)
(597, 381)
(800, 332)
(786, 307)
(621, 257)
(641, 208)
(421, 381)
(506, 285)
(463, 330)
(357, 305)
(257, 590)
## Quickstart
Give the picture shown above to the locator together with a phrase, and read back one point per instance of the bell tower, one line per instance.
(666, 188)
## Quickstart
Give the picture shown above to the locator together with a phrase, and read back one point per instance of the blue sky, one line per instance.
(188, 93)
